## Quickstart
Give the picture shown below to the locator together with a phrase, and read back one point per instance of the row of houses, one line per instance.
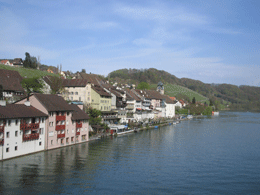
(40, 122)
(17, 62)
(121, 104)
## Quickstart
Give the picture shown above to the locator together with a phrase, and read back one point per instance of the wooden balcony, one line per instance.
(2, 142)
(2, 128)
(78, 125)
(78, 133)
(30, 137)
(24, 126)
(60, 127)
(62, 135)
(60, 118)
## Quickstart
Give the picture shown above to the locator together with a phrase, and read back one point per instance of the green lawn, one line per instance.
(27, 72)
(172, 90)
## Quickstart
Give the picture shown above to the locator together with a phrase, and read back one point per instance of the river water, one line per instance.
(210, 155)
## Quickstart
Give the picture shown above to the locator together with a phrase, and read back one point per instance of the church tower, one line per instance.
(160, 88)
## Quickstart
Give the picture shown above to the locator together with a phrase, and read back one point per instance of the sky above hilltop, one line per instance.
(211, 41)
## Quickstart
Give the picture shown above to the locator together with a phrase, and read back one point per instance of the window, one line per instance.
(9, 122)
(68, 113)
(16, 122)
(7, 149)
(72, 139)
(41, 131)
(67, 140)
(16, 133)
(88, 93)
(71, 98)
(62, 141)
(51, 142)
(51, 113)
(42, 120)
(88, 98)
(40, 143)
(76, 93)
(7, 134)
(79, 98)
(72, 93)
(16, 148)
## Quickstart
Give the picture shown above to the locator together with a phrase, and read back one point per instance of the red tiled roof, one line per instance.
(10, 74)
(75, 82)
(100, 91)
(78, 114)
(11, 111)
(11, 84)
(53, 102)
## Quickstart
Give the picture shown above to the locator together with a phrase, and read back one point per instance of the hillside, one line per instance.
(27, 72)
(241, 97)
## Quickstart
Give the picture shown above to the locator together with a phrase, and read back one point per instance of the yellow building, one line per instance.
(100, 99)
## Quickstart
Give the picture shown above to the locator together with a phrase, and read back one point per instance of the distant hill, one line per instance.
(241, 97)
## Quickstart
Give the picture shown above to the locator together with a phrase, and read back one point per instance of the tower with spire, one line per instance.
(160, 88)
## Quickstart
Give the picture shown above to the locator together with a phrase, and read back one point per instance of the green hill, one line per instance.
(240, 97)
(27, 72)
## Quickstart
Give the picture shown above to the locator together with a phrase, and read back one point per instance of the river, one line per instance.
(209, 155)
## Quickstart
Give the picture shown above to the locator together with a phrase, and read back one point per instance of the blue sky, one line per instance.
(211, 41)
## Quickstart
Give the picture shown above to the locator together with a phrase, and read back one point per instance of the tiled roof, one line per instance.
(92, 78)
(75, 82)
(78, 114)
(11, 84)
(154, 95)
(100, 91)
(11, 111)
(131, 95)
(53, 102)
(10, 74)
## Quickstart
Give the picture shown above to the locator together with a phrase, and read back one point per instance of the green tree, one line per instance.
(193, 100)
(207, 111)
(94, 115)
(57, 85)
(32, 85)
(30, 61)
(83, 70)
(143, 86)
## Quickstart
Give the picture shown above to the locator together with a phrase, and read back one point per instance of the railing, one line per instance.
(24, 126)
(78, 133)
(2, 128)
(60, 118)
(130, 107)
(2, 142)
(59, 127)
(78, 125)
(61, 135)
(30, 137)
(110, 116)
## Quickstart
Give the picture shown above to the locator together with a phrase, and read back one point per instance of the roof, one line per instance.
(75, 82)
(154, 95)
(92, 78)
(78, 114)
(11, 84)
(53, 102)
(131, 95)
(10, 74)
(11, 111)
(100, 91)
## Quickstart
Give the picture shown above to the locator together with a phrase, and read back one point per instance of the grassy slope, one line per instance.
(26, 72)
(172, 90)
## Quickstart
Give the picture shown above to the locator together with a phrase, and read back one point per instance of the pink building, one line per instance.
(66, 124)
(22, 129)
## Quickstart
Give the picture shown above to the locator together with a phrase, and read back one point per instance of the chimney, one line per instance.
(27, 103)
(2, 103)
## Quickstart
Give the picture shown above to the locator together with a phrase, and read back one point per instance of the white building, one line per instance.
(22, 130)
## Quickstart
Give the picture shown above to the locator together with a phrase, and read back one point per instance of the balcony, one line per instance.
(78, 133)
(2, 142)
(30, 137)
(130, 106)
(60, 127)
(2, 128)
(62, 135)
(78, 125)
(24, 126)
(60, 118)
